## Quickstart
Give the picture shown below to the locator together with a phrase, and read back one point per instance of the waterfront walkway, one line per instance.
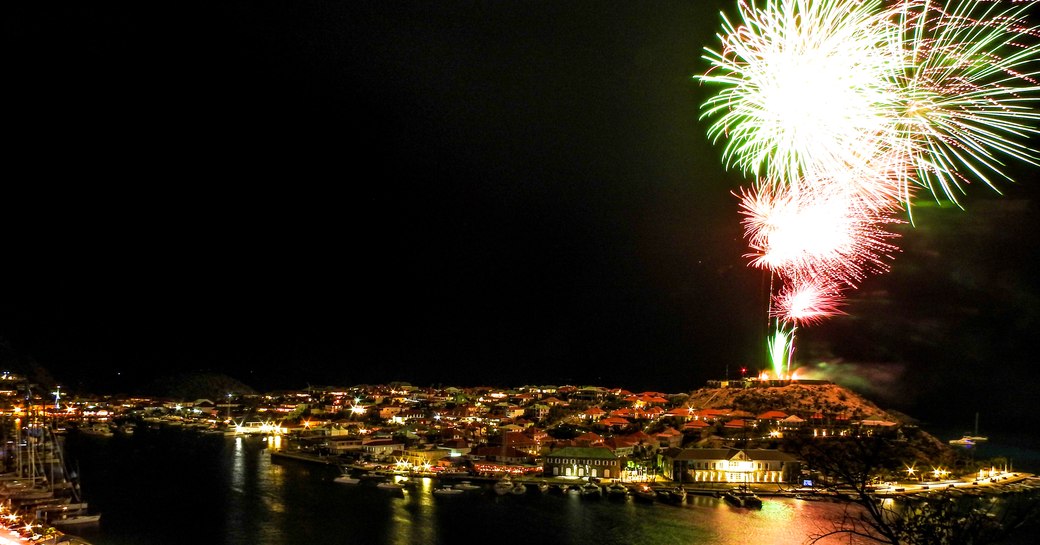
(701, 488)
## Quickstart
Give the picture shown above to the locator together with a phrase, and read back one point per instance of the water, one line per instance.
(173, 487)
(1021, 450)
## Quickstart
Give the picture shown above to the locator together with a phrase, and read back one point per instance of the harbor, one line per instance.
(41, 499)
(660, 490)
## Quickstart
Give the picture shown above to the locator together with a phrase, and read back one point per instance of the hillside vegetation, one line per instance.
(803, 400)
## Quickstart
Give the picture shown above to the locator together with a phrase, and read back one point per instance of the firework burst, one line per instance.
(967, 92)
(841, 108)
(823, 232)
(802, 84)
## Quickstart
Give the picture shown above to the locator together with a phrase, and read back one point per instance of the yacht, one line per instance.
(591, 490)
(617, 490)
(644, 493)
(466, 485)
(503, 487)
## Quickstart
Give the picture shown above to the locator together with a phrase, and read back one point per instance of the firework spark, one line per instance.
(781, 351)
(825, 231)
(807, 300)
(844, 106)
(803, 83)
(968, 92)
(878, 95)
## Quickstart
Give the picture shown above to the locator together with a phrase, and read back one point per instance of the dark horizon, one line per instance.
(443, 194)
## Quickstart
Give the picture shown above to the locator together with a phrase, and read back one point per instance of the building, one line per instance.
(381, 448)
(598, 462)
(730, 465)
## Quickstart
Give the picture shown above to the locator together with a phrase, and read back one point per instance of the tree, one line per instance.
(849, 467)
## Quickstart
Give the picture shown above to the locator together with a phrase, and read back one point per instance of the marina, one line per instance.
(271, 500)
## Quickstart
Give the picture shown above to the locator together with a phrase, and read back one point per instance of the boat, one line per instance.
(447, 491)
(574, 489)
(98, 429)
(617, 490)
(466, 485)
(75, 519)
(970, 439)
(644, 493)
(591, 490)
(346, 479)
(733, 499)
(503, 487)
(389, 486)
(543, 487)
(46, 511)
(518, 490)
(672, 495)
(751, 501)
(740, 498)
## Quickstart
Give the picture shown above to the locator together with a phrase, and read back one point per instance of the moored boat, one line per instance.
(346, 479)
(739, 498)
(644, 493)
(503, 487)
(75, 519)
(672, 495)
(447, 491)
(591, 490)
(466, 485)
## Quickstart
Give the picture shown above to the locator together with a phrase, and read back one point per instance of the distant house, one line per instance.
(730, 465)
(340, 443)
(669, 438)
(381, 448)
(621, 446)
(588, 439)
(695, 425)
(507, 455)
(593, 414)
(583, 462)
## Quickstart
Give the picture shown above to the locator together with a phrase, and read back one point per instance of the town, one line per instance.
(732, 439)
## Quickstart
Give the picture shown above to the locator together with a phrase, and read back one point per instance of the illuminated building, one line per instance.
(730, 465)
(583, 462)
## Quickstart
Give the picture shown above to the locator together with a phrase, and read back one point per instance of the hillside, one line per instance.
(803, 400)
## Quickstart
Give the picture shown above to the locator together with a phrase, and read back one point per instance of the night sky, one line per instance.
(439, 192)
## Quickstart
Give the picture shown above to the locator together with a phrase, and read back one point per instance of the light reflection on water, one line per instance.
(254, 501)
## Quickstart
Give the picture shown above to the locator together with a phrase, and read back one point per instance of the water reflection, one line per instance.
(413, 517)
(236, 495)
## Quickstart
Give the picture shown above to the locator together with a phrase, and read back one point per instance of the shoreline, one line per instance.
(994, 485)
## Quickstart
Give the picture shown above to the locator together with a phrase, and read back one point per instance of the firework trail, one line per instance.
(841, 109)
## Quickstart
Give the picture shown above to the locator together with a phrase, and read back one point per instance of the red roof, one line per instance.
(669, 432)
(685, 412)
(695, 425)
(589, 437)
(714, 413)
(772, 415)
(637, 437)
(735, 423)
